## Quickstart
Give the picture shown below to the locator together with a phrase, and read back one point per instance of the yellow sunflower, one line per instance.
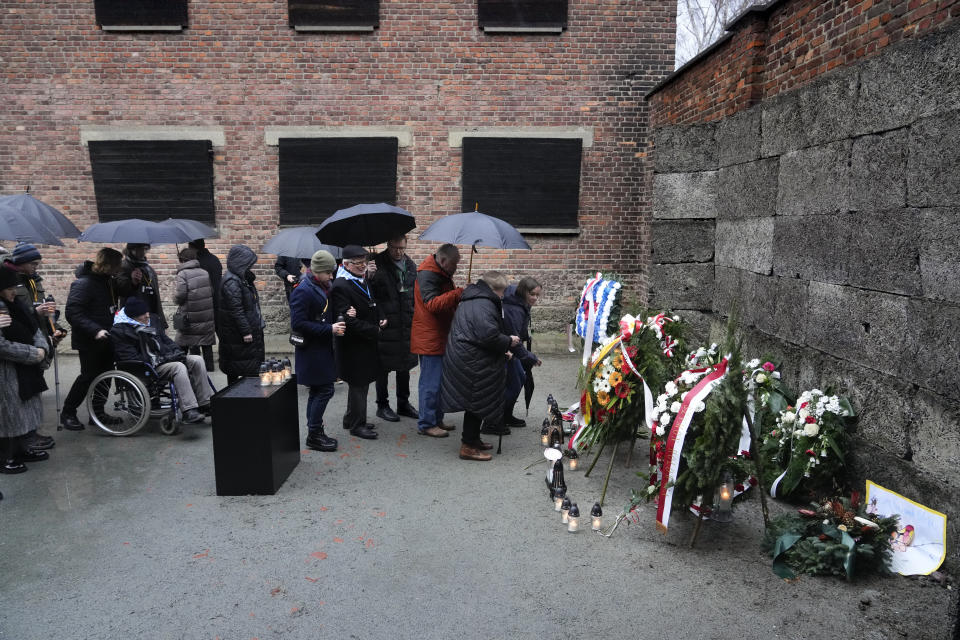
(615, 378)
(603, 397)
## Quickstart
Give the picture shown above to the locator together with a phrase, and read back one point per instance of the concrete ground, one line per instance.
(394, 538)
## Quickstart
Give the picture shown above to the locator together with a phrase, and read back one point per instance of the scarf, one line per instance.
(23, 328)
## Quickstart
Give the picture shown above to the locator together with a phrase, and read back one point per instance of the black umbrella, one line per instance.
(365, 224)
(476, 229)
(134, 230)
(528, 384)
(15, 226)
(37, 212)
(194, 229)
(298, 242)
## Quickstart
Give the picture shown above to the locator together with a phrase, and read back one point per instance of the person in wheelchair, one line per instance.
(135, 340)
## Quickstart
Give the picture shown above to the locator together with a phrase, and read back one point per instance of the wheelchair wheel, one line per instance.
(118, 403)
(170, 426)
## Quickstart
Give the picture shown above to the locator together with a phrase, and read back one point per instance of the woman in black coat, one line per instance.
(393, 287)
(91, 304)
(312, 317)
(241, 323)
(358, 362)
(473, 364)
(517, 300)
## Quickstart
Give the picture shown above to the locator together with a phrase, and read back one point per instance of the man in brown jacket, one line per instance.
(435, 300)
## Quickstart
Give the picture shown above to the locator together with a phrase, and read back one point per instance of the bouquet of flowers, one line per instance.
(807, 445)
(612, 385)
(832, 537)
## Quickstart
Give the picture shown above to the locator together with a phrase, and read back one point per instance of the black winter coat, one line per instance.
(312, 317)
(473, 372)
(356, 351)
(240, 316)
(133, 343)
(393, 290)
(211, 264)
(91, 304)
(148, 290)
(516, 322)
(287, 266)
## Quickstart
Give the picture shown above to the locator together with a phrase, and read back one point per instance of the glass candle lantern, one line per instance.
(545, 434)
(574, 459)
(596, 517)
(573, 519)
(723, 500)
(565, 510)
(287, 368)
(559, 495)
(265, 376)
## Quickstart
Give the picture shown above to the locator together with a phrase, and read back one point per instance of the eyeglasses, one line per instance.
(356, 263)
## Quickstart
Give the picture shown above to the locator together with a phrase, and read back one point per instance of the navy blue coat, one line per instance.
(311, 316)
(516, 322)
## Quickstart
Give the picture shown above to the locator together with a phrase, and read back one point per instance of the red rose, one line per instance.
(632, 351)
(804, 405)
(612, 410)
(810, 420)
(810, 452)
(745, 454)
(622, 390)
(768, 366)
(738, 487)
(601, 414)
(753, 481)
(661, 455)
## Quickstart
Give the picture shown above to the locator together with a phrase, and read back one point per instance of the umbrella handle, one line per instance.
(470, 268)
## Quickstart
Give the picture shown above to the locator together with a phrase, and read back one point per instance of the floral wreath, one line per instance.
(603, 295)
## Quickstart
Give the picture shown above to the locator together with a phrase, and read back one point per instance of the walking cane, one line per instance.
(56, 365)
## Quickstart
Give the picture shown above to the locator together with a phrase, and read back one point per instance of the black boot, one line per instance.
(510, 421)
(319, 441)
(70, 422)
(495, 429)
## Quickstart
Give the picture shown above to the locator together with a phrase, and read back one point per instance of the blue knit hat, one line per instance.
(23, 253)
(135, 307)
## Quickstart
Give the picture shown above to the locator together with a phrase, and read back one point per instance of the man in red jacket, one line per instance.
(435, 300)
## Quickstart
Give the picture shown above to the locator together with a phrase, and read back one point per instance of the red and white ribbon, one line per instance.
(678, 433)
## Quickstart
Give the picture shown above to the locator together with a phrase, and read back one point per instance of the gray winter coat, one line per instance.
(194, 295)
(18, 417)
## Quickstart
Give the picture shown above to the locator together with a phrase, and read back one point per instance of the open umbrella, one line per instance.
(134, 230)
(192, 228)
(38, 212)
(15, 226)
(476, 229)
(298, 242)
(365, 224)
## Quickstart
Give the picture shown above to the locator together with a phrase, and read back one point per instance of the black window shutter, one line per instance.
(153, 179)
(319, 176)
(522, 13)
(334, 13)
(529, 182)
(141, 12)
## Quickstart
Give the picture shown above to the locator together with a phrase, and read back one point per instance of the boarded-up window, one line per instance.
(143, 13)
(319, 176)
(529, 182)
(153, 179)
(334, 13)
(514, 15)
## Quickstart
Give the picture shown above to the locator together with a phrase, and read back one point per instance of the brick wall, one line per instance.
(241, 67)
(826, 209)
(785, 44)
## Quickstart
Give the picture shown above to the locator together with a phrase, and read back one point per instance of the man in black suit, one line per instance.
(356, 353)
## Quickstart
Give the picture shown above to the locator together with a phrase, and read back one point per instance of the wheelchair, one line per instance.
(121, 401)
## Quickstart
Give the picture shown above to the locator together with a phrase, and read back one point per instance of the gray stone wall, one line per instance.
(830, 216)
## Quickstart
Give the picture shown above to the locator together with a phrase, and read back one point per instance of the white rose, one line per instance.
(661, 430)
(683, 396)
(700, 407)
(676, 318)
(761, 378)
(789, 416)
(670, 388)
(651, 490)
(753, 364)
(665, 418)
(675, 407)
(811, 429)
(803, 413)
(776, 375)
